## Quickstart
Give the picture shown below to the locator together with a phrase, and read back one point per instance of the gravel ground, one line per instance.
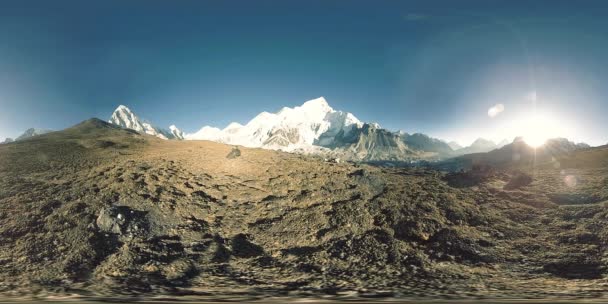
(95, 211)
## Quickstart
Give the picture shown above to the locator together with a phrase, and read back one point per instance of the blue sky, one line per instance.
(429, 66)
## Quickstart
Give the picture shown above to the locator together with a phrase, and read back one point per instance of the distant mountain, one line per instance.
(454, 145)
(7, 140)
(315, 127)
(312, 123)
(583, 145)
(518, 153)
(31, 132)
(372, 143)
(481, 145)
(175, 132)
(502, 143)
(125, 118)
(423, 142)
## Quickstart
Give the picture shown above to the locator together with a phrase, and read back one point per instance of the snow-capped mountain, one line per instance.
(31, 132)
(315, 127)
(177, 133)
(314, 123)
(125, 118)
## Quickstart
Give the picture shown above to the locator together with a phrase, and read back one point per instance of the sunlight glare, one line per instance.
(537, 129)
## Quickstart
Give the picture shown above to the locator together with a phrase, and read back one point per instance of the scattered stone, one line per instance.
(284, 224)
(120, 220)
(234, 153)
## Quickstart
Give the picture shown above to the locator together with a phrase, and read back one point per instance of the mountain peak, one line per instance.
(233, 126)
(317, 104)
(317, 101)
(124, 117)
(177, 133)
(454, 145)
(122, 108)
(480, 145)
(483, 141)
(290, 128)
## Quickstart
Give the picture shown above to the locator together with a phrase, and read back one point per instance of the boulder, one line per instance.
(234, 153)
(121, 220)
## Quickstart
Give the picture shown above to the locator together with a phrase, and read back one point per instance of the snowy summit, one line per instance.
(312, 123)
(125, 118)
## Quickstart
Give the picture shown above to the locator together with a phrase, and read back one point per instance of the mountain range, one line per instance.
(31, 132)
(516, 154)
(313, 128)
(314, 123)
(481, 145)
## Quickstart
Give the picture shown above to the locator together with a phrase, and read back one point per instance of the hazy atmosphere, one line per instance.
(437, 67)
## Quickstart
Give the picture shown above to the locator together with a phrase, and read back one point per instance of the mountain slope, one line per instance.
(423, 142)
(125, 118)
(371, 143)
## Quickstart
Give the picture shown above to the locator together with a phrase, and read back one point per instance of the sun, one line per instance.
(537, 128)
(535, 140)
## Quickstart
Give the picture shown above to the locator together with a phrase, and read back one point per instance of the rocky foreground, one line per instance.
(99, 211)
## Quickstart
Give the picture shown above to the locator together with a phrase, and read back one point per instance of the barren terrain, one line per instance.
(99, 211)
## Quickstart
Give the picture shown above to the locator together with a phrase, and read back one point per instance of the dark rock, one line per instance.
(121, 219)
(242, 247)
(234, 153)
(575, 266)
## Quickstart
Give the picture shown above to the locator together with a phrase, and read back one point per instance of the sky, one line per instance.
(443, 68)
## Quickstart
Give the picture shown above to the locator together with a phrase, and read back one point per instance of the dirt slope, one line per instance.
(98, 210)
